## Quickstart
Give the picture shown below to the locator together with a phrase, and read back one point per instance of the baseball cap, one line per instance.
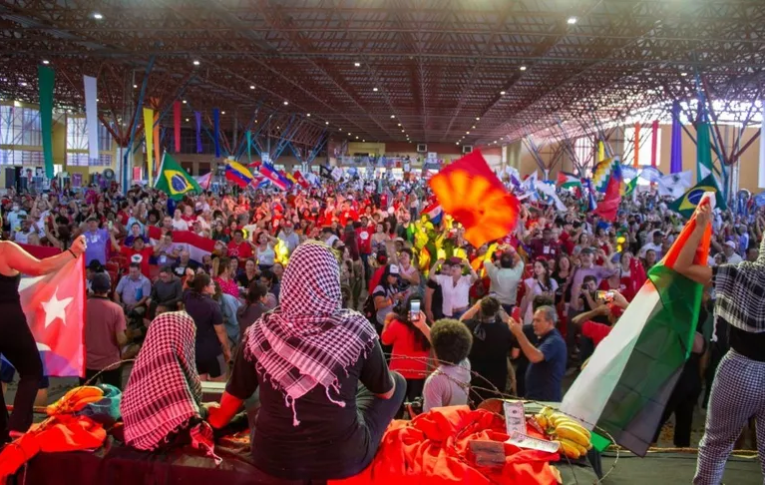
(101, 283)
(393, 269)
(730, 244)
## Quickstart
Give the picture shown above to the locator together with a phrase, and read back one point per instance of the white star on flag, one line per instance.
(55, 308)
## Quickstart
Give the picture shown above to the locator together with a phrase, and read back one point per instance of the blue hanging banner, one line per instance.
(216, 127)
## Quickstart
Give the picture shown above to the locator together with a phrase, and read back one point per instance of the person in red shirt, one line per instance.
(239, 248)
(364, 233)
(410, 339)
(139, 253)
(545, 247)
(347, 214)
(598, 331)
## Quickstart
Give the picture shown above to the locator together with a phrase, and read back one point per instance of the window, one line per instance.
(644, 152)
(77, 135)
(76, 159)
(21, 157)
(20, 126)
(104, 139)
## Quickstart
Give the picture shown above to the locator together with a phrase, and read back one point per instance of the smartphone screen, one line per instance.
(414, 313)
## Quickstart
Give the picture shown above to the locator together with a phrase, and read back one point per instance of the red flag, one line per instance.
(177, 125)
(609, 206)
(301, 180)
(54, 305)
(472, 194)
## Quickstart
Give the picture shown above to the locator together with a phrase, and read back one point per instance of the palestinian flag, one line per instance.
(569, 181)
(626, 384)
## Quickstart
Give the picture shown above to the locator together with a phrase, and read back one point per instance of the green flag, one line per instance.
(173, 180)
(686, 204)
(704, 165)
(45, 81)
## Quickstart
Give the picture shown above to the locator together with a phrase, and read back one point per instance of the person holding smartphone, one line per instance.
(406, 331)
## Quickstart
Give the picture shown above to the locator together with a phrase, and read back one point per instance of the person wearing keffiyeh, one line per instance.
(737, 392)
(162, 403)
(306, 358)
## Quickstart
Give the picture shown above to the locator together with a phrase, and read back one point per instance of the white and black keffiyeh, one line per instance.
(164, 391)
(309, 339)
(740, 291)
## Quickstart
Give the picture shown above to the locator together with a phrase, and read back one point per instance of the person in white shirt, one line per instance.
(729, 249)
(178, 223)
(455, 287)
(655, 244)
(505, 278)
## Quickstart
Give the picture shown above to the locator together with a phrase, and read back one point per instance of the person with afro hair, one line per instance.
(449, 384)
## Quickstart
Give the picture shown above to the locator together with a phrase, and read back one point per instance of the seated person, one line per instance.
(166, 293)
(133, 291)
(162, 412)
(449, 384)
(307, 358)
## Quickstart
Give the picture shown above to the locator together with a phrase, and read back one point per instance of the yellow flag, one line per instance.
(148, 128)
(601, 151)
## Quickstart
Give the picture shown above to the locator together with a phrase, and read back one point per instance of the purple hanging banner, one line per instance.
(198, 117)
(676, 154)
(216, 131)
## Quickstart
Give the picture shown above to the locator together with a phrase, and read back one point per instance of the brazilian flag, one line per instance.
(174, 180)
(686, 204)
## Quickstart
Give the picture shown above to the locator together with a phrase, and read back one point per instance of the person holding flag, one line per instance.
(737, 389)
(18, 344)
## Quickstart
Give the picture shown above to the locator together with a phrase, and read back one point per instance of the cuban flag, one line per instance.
(272, 175)
(434, 212)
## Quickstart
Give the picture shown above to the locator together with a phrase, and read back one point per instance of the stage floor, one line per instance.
(674, 468)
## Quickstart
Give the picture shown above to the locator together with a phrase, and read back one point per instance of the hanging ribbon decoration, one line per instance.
(654, 141)
(148, 129)
(46, 80)
(216, 128)
(676, 154)
(198, 117)
(249, 147)
(601, 151)
(157, 138)
(177, 125)
(637, 145)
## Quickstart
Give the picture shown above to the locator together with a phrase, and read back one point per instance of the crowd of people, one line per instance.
(420, 316)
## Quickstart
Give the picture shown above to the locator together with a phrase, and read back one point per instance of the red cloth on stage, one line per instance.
(432, 449)
(55, 434)
(40, 252)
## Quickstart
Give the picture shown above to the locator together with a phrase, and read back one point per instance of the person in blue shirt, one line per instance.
(547, 359)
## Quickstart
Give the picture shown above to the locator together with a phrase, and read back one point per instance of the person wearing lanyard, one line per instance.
(454, 286)
(737, 392)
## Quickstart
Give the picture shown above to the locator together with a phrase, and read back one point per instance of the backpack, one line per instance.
(369, 310)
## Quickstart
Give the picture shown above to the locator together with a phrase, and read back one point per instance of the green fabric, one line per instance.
(686, 204)
(704, 165)
(249, 146)
(46, 81)
(174, 180)
(630, 188)
(659, 355)
(599, 442)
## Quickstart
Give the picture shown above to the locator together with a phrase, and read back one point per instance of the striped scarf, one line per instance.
(309, 340)
(164, 392)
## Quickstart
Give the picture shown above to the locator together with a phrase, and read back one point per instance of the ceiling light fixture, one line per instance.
(374, 89)
(501, 93)
(357, 137)
(23, 83)
(252, 86)
(326, 122)
(683, 74)
(572, 20)
(286, 103)
(349, 133)
(392, 116)
(184, 101)
(135, 86)
(522, 68)
(196, 63)
(308, 115)
(478, 118)
(357, 64)
(46, 61)
(187, 120)
(97, 16)
(467, 132)
(222, 112)
(363, 141)
(473, 127)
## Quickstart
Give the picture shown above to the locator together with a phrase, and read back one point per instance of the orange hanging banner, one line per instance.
(637, 145)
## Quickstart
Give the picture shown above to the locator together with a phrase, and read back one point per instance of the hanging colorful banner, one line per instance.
(157, 139)
(46, 79)
(761, 180)
(198, 117)
(177, 125)
(601, 151)
(637, 145)
(676, 153)
(249, 146)
(148, 128)
(654, 141)
(91, 116)
(216, 131)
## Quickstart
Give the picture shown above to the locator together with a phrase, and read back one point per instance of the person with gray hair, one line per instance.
(547, 356)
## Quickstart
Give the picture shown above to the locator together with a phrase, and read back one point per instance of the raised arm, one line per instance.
(684, 263)
(15, 258)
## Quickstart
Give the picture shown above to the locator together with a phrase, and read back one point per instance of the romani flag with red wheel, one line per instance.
(54, 305)
(627, 382)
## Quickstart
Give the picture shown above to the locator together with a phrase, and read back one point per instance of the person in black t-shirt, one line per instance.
(434, 301)
(307, 358)
(493, 343)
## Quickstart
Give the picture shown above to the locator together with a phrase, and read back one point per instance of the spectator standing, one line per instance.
(104, 334)
(505, 278)
(166, 293)
(211, 338)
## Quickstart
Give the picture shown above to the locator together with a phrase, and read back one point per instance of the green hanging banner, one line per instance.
(249, 146)
(46, 80)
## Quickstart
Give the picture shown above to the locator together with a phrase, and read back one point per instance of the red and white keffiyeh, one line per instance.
(309, 339)
(164, 392)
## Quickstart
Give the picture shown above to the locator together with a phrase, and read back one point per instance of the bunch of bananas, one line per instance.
(574, 438)
(75, 400)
